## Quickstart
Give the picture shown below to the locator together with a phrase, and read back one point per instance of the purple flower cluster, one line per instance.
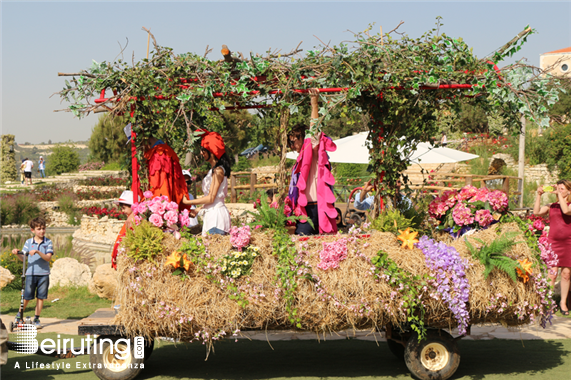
(449, 278)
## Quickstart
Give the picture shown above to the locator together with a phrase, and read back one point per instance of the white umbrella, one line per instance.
(353, 150)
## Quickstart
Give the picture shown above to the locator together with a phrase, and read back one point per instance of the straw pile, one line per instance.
(154, 302)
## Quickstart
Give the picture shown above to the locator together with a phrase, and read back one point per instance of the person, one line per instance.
(272, 195)
(22, 175)
(125, 201)
(42, 167)
(165, 173)
(363, 203)
(444, 140)
(559, 234)
(188, 179)
(28, 165)
(216, 218)
(310, 191)
(40, 250)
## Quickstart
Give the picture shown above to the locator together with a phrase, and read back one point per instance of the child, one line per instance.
(125, 202)
(40, 250)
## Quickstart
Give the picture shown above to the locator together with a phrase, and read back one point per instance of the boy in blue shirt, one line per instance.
(40, 250)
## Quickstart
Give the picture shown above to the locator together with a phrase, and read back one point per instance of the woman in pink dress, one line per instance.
(559, 234)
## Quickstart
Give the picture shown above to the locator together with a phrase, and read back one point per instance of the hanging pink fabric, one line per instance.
(325, 181)
(325, 196)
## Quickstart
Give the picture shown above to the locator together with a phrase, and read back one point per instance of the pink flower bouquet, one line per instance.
(469, 208)
(160, 212)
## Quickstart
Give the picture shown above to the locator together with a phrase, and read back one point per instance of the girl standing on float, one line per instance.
(216, 218)
(559, 234)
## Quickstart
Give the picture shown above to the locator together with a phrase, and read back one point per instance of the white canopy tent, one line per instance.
(353, 150)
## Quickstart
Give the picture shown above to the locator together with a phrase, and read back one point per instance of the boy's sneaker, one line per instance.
(18, 316)
(37, 323)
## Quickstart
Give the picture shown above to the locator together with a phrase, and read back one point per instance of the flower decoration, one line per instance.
(448, 278)
(178, 260)
(160, 212)
(527, 271)
(239, 263)
(240, 236)
(332, 254)
(173, 259)
(469, 208)
(408, 238)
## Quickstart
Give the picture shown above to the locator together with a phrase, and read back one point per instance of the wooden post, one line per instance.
(233, 188)
(253, 181)
(521, 162)
(282, 176)
(506, 185)
(468, 180)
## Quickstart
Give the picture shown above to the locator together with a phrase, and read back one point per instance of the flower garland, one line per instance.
(448, 278)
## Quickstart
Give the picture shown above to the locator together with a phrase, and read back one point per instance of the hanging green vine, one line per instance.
(399, 82)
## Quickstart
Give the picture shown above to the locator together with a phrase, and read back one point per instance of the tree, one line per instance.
(472, 119)
(107, 142)
(561, 111)
(63, 159)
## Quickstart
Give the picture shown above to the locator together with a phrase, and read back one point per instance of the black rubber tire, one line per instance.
(149, 347)
(435, 357)
(103, 357)
(396, 348)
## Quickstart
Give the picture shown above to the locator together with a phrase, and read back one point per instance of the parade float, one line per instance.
(479, 265)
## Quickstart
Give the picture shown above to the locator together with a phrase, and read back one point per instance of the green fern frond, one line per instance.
(492, 255)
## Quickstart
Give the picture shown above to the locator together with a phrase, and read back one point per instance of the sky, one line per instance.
(40, 39)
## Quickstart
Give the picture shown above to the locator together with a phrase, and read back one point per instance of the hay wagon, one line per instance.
(207, 305)
(377, 285)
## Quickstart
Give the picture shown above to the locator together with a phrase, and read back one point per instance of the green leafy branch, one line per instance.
(492, 255)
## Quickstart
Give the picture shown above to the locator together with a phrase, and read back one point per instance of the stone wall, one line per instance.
(96, 237)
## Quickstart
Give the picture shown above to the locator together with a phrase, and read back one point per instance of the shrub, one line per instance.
(144, 241)
(5, 207)
(24, 208)
(103, 181)
(392, 221)
(66, 203)
(559, 149)
(100, 212)
(14, 265)
(62, 160)
(112, 166)
(91, 166)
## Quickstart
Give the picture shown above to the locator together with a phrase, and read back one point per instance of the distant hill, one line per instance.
(34, 151)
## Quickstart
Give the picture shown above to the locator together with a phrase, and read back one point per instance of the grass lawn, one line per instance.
(301, 359)
(74, 303)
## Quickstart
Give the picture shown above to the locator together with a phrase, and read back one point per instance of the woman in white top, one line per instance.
(216, 218)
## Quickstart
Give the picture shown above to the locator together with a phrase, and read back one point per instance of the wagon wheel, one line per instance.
(435, 357)
(148, 347)
(108, 364)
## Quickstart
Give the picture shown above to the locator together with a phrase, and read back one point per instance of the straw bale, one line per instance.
(154, 302)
